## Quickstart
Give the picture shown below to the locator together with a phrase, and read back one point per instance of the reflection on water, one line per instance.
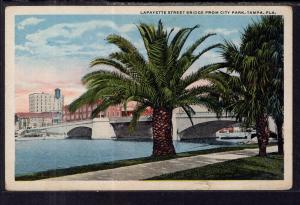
(41, 155)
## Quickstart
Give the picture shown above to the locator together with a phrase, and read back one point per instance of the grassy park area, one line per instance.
(251, 168)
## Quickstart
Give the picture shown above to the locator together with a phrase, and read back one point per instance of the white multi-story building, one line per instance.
(45, 102)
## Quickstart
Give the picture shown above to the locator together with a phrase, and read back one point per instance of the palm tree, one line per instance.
(273, 27)
(252, 88)
(158, 81)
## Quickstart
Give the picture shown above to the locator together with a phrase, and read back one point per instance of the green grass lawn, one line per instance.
(121, 163)
(251, 168)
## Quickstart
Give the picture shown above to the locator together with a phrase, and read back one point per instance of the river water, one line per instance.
(41, 155)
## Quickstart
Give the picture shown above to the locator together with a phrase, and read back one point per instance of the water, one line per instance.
(41, 155)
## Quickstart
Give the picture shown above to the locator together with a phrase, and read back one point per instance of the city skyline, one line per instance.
(55, 51)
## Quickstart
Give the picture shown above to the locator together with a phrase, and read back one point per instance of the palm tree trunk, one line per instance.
(280, 137)
(262, 134)
(162, 132)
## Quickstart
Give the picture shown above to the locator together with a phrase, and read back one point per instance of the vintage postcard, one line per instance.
(148, 98)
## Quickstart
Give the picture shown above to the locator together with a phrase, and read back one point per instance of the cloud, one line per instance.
(38, 75)
(211, 55)
(222, 31)
(22, 48)
(101, 35)
(139, 44)
(236, 41)
(59, 56)
(73, 30)
(29, 21)
(127, 28)
(65, 39)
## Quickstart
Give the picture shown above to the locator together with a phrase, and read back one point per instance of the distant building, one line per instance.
(45, 102)
(131, 107)
(85, 112)
(29, 120)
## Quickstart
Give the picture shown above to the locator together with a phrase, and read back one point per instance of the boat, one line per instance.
(42, 134)
(236, 135)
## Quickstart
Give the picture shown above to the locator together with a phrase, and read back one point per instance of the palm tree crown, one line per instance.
(157, 81)
(258, 63)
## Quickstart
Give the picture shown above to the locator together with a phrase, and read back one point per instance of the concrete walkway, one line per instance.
(148, 170)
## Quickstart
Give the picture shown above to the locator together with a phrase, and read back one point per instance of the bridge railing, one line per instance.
(59, 124)
(128, 119)
(143, 118)
(205, 114)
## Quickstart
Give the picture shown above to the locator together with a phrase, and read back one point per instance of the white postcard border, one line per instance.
(11, 184)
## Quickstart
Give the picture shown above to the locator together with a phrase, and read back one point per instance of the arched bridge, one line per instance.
(98, 128)
(206, 124)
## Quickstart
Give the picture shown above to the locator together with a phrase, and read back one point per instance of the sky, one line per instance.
(54, 51)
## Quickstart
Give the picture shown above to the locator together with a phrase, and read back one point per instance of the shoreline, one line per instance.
(40, 138)
(121, 163)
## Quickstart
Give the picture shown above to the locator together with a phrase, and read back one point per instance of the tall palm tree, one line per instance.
(273, 28)
(158, 81)
(255, 63)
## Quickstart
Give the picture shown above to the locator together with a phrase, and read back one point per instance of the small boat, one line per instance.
(235, 135)
(36, 134)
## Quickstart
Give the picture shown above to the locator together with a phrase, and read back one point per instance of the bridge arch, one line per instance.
(80, 132)
(204, 129)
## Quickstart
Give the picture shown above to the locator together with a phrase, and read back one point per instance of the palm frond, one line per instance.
(189, 111)
(140, 108)
(125, 46)
(109, 101)
(109, 62)
(200, 74)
